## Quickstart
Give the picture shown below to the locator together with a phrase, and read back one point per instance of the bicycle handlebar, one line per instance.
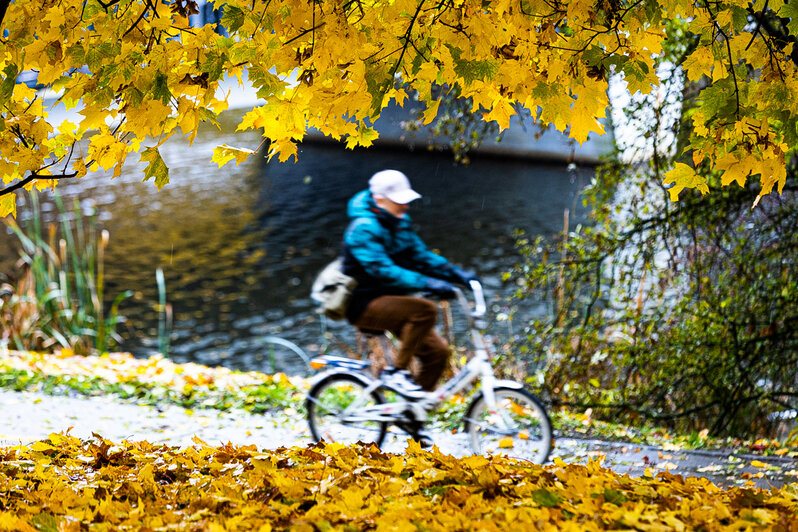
(480, 307)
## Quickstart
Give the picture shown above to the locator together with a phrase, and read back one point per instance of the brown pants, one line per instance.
(412, 320)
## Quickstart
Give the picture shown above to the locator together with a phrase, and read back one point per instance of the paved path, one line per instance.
(29, 416)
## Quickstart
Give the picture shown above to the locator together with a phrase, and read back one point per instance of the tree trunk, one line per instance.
(3, 7)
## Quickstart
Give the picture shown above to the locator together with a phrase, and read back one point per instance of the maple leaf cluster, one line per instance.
(137, 72)
(69, 484)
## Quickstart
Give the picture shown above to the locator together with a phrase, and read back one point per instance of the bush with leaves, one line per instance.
(684, 313)
(687, 315)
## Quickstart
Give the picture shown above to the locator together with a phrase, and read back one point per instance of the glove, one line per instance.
(439, 288)
(463, 276)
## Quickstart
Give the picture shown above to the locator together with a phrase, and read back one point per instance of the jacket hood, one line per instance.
(362, 205)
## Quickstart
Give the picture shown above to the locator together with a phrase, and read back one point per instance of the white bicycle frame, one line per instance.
(479, 367)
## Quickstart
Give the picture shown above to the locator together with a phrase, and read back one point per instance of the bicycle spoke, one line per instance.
(339, 410)
(517, 426)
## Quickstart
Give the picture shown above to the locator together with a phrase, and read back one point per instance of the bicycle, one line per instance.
(283, 355)
(347, 405)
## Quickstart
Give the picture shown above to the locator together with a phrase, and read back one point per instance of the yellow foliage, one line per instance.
(136, 71)
(681, 177)
(64, 483)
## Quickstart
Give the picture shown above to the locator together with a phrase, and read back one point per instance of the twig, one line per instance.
(33, 176)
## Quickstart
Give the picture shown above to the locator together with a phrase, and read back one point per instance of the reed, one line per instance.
(58, 297)
(164, 315)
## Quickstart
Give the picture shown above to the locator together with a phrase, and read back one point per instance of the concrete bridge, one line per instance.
(519, 141)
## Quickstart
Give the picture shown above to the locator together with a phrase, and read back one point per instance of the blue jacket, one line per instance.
(385, 255)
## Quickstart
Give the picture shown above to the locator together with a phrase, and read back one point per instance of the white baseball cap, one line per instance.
(394, 185)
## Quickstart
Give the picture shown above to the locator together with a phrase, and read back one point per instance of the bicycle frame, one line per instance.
(478, 368)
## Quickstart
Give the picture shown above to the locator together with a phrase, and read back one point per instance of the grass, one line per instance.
(58, 297)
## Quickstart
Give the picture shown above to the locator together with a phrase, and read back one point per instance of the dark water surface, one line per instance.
(240, 246)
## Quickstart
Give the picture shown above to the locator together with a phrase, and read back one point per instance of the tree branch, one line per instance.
(731, 58)
(408, 35)
(3, 8)
(33, 176)
(304, 32)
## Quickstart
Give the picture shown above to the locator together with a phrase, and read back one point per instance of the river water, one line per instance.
(241, 245)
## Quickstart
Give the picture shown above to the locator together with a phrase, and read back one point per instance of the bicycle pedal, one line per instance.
(401, 382)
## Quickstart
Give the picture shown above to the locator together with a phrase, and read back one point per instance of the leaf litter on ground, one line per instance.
(158, 380)
(68, 484)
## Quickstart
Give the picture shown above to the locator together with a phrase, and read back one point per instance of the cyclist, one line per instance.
(389, 261)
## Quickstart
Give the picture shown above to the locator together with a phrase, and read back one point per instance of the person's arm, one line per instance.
(437, 266)
(363, 239)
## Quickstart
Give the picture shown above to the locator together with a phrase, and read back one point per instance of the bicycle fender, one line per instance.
(337, 371)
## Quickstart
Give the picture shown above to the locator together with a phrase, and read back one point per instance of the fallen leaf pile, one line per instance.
(67, 484)
(155, 379)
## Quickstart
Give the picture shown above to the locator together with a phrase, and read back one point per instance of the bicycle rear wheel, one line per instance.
(333, 404)
(519, 426)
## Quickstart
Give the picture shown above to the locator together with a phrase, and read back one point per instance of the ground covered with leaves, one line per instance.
(64, 483)
(158, 380)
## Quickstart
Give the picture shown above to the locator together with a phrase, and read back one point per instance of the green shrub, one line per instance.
(679, 313)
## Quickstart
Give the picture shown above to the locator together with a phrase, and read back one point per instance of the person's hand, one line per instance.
(440, 288)
(463, 276)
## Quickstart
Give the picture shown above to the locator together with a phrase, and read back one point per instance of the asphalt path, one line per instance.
(31, 416)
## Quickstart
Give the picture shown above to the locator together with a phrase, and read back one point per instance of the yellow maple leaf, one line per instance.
(189, 118)
(699, 63)
(8, 205)
(773, 173)
(683, 176)
(224, 154)
(733, 170)
(501, 113)
(506, 443)
(431, 112)
(284, 149)
(583, 120)
(365, 137)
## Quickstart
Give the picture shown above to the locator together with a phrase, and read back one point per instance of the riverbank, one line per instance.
(124, 398)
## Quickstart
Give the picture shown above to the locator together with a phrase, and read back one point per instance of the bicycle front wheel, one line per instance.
(335, 405)
(518, 427)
